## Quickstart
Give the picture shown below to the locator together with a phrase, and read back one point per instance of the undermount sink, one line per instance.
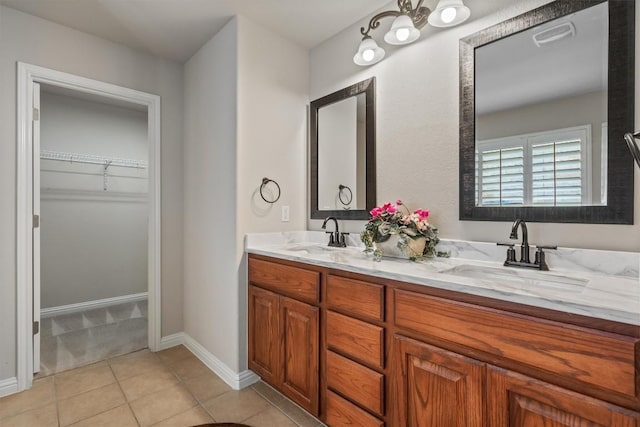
(518, 279)
(312, 248)
(321, 251)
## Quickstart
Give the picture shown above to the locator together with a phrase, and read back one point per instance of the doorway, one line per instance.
(61, 176)
(93, 209)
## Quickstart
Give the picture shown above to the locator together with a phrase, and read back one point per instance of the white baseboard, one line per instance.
(8, 386)
(171, 341)
(90, 305)
(236, 381)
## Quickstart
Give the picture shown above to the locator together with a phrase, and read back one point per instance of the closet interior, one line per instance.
(93, 229)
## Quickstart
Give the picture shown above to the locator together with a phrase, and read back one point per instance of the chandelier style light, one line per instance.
(406, 26)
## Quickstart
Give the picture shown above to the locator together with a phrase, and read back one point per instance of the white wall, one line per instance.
(273, 76)
(417, 124)
(244, 120)
(93, 242)
(36, 41)
(210, 244)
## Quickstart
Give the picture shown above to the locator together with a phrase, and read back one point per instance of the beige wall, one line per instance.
(417, 123)
(244, 120)
(36, 41)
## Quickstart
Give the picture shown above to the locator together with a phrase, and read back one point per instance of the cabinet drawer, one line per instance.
(284, 279)
(341, 412)
(590, 356)
(362, 385)
(356, 297)
(356, 338)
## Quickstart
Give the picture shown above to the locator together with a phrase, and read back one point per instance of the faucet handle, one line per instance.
(540, 260)
(511, 252)
(331, 238)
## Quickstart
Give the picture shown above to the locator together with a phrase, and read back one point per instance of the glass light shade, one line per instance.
(402, 31)
(369, 52)
(449, 13)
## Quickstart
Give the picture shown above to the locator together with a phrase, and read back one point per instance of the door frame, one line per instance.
(29, 74)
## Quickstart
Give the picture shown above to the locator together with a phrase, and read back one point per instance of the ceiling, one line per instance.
(513, 72)
(176, 29)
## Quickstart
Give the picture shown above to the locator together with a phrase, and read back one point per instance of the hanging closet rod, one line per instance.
(94, 160)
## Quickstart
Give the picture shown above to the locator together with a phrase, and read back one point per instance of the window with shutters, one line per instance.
(541, 169)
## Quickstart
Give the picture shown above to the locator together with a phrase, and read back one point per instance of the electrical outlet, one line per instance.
(285, 214)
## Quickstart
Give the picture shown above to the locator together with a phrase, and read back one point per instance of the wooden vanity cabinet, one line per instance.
(435, 386)
(515, 400)
(366, 352)
(284, 344)
(355, 352)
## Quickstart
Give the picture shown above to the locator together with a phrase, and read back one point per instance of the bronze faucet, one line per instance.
(525, 261)
(336, 239)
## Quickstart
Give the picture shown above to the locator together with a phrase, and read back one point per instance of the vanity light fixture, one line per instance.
(406, 26)
(449, 13)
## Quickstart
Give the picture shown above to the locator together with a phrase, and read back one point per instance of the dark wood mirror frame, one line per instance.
(368, 87)
(620, 106)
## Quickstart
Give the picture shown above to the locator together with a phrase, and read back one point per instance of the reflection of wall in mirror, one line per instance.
(337, 152)
(562, 113)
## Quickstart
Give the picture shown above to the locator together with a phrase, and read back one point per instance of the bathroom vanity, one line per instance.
(396, 343)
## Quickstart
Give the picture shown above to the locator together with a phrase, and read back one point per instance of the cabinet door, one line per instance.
(515, 400)
(264, 334)
(301, 353)
(435, 387)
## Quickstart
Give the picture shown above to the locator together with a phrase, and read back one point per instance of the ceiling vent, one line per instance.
(554, 34)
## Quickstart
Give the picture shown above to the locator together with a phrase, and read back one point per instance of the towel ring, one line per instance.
(265, 181)
(341, 192)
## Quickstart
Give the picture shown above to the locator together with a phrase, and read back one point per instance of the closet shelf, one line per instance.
(92, 159)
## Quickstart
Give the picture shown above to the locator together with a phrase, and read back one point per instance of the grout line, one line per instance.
(126, 401)
(55, 399)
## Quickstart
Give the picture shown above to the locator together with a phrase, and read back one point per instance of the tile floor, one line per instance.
(72, 340)
(168, 388)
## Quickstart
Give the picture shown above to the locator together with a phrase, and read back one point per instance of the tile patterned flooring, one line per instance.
(72, 340)
(168, 388)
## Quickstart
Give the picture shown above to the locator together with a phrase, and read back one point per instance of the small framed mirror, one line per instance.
(342, 153)
(545, 101)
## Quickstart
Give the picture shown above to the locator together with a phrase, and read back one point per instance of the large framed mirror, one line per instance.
(545, 101)
(342, 153)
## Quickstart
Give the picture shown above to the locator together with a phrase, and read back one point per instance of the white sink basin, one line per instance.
(518, 278)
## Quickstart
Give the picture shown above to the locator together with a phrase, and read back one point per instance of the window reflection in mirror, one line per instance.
(541, 114)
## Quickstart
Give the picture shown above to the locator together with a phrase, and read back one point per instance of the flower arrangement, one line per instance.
(410, 227)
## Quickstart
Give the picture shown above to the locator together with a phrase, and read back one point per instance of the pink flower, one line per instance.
(422, 214)
(375, 212)
(399, 202)
(389, 208)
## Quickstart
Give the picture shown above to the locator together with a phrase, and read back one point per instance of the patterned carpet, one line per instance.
(72, 340)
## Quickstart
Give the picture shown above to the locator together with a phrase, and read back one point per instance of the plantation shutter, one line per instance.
(557, 173)
(502, 177)
(542, 169)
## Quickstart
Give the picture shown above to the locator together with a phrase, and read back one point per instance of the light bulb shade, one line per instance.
(402, 31)
(449, 13)
(369, 52)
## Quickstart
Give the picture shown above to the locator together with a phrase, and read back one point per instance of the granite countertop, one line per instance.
(599, 284)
